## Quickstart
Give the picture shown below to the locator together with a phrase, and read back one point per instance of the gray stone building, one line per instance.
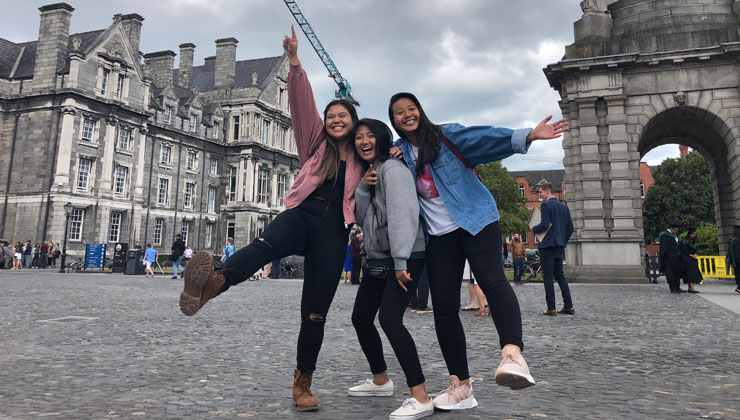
(141, 149)
(640, 74)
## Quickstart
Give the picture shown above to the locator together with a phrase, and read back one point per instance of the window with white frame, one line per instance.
(230, 227)
(121, 178)
(263, 195)
(166, 154)
(193, 123)
(76, 220)
(119, 86)
(208, 235)
(283, 135)
(190, 160)
(104, 85)
(167, 114)
(236, 128)
(232, 183)
(158, 228)
(114, 231)
(211, 198)
(522, 190)
(84, 168)
(88, 128)
(124, 139)
(188, 196)
(216, 128)
(185, 229)
(525, 237)
(163, 191)
(642, 190)
(261, 222)
(214, 166)
(265, 131)
(282, 181)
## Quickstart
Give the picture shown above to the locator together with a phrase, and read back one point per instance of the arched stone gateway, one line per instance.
(640, 74)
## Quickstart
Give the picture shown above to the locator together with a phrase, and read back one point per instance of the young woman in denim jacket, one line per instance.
(462, 222)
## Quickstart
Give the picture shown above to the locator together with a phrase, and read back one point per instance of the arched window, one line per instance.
(642, 190)
(522, 190)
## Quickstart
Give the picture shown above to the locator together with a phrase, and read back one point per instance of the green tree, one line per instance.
(682, 192)
(511, 205)
(706, 238)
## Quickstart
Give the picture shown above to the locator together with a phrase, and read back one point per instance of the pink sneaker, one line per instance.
(456, 397)
(514, 373)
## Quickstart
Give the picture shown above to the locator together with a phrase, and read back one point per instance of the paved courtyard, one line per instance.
(105, 346)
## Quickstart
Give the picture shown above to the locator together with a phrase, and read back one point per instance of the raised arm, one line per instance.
(307, 123)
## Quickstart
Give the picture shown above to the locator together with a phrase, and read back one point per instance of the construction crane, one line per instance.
(344, 90)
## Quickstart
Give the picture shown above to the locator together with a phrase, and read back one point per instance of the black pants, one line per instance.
(673, 274)
(356, 267)
(445, 256)
(737, 276)
(314, 229)
(420, 299)
(386, 294)
(551, 259)
(518, 269)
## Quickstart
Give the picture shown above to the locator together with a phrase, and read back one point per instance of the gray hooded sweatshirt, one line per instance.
(390, 219)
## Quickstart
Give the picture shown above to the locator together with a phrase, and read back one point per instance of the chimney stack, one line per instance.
(161, 64)
(225, 62)
(185, 73)
(51, 50)
(132, 26)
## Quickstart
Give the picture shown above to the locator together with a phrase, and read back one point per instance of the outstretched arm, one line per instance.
(545, 131)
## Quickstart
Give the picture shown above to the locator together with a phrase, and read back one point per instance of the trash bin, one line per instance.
(135, 262)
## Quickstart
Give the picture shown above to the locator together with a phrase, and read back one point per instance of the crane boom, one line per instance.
(344, 90)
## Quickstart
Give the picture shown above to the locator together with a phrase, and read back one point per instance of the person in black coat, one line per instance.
(690, 261)
(733, 255)
(670, 257)
(178, 248)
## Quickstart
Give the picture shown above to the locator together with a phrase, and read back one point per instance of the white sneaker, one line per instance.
(456, 397)
(368, 388)
(413, 410)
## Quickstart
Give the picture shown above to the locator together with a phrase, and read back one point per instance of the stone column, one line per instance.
(64, 154)
(620, 173)
(250, 178)
(141, 166)
(239, 181)
(592, 193)
(273, 185)
(109, 143)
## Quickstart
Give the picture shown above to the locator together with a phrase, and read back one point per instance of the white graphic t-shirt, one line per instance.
(436, 215)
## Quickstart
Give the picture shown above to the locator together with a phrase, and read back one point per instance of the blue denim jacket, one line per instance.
(469, 202)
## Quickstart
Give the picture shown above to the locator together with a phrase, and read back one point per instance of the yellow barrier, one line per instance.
(711, 266)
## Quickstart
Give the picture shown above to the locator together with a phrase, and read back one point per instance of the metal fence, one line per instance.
(709, 266)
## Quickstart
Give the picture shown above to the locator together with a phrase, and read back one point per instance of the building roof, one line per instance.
(203, 76)
(555, 176)
(24, 53)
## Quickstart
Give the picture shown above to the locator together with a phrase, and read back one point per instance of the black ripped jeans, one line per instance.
(316, 230)
(387, 296)
(445, 256)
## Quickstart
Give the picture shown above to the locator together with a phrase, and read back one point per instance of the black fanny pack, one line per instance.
(381, 271)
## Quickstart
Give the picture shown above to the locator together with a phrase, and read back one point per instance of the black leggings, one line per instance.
(314, 229)
(445, 256)
(385, 294)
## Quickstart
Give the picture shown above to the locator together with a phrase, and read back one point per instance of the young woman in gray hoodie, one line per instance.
(387, 209)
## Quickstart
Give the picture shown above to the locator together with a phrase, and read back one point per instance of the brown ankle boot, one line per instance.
(201, 283)
(302, 395)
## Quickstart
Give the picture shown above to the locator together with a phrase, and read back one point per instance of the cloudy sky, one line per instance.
(476, 62)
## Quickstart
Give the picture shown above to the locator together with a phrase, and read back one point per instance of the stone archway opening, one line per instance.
(710, 136)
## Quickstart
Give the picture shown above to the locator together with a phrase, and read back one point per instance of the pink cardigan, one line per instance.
(307, 128)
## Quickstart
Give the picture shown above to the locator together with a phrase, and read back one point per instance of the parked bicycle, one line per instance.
(291, 271)
(531, 271)
(76, 265)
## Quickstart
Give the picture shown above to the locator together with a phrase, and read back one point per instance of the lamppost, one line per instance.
(67, 212)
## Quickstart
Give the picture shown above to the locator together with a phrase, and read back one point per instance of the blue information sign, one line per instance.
(95, 256)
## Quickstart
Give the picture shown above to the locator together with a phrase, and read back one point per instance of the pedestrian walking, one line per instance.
(178, 249)
(187, 254)
(517, 257)
(18, 256)
(8, 255)
(320, 206)
(670, 257)
(50, 254)
(463, 222)
(690, 261)
(558, 225)
(36, 253)
(733, 255)
(355, 252)
(43, 255)
(57, 253)
(150, 257)
(348, 261)
(27, 254)
(420, 300)
(389, 213)
(229, 249)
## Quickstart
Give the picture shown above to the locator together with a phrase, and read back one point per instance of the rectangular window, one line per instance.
(216, 128)
(283, 134)
(263, 196)
(83, 173)
(114, 233)
(232, 184)
(261, 222)
(190, 161)
(282, 181)
(214, 166)
(265, 131)
(121, 178)
(211, 198)
(230, 228)
(193, 123)
(166, 154)
(163, 191)
(209, 235)
(281, 98)
(185, 230)
(167, 114)
(124, 139)
(88, 128)
(104, 85)
(189, 188)
(158, 228)
(236, 127)
(76, 220)
(119, 86)
(525, 237)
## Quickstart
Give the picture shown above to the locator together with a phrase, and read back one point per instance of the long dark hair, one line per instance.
(428, 134)
(383, 139)
(329, 167)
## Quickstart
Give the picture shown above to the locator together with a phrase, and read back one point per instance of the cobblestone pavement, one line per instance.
(120, 348)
